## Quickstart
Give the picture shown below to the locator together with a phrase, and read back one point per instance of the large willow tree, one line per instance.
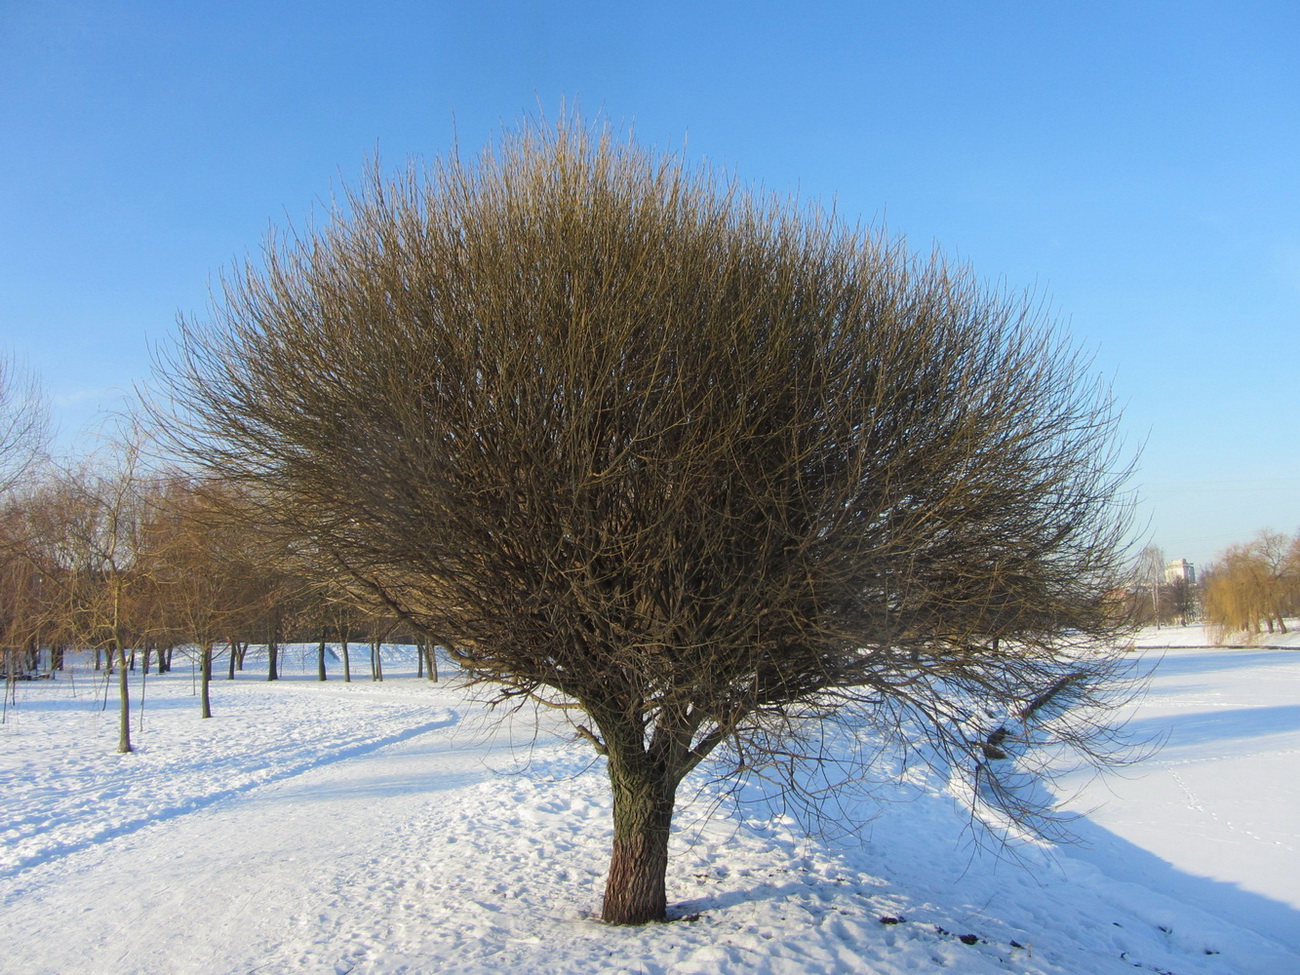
(699, 465)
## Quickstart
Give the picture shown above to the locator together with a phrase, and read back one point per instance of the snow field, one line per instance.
(395, 827)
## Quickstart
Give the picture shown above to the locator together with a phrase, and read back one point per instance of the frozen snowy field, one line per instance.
(388, 827)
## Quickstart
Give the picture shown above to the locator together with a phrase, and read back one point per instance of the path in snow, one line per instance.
(210, 887)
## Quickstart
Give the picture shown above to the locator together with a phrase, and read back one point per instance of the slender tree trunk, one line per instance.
(205, 667)
(320, 660)
(430, 653)
(376, 662)
(419, 659)
(347, 660)
(124, 704)
(230, 664)
(273, 654)
(643, 812)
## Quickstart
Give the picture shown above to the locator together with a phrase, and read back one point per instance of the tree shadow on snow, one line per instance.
(1120, 860)
(1178, 664)
(918, 851)
(1189, 730)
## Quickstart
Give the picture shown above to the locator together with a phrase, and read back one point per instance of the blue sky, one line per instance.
(1135, 162)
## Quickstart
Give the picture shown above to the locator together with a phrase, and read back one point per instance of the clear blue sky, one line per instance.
(1137, 162)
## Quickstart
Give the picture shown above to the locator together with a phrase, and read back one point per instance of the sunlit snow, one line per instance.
(393, 827)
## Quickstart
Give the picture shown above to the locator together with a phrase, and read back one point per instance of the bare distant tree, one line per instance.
(83, 539)
(25, 617)
(1150, 574)
(111, 505)
(700, 467)
(24, 425)
(212, 569)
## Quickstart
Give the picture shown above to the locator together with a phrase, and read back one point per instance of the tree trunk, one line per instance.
(205, 667)
(320, 660)
(230, 664)
(643, 814)
(124, 704)
(376, 662)
(272, 657)
(347, 661)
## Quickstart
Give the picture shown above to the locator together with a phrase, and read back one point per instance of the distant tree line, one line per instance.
(132, 565)
(1251, 588)
(1254, 587)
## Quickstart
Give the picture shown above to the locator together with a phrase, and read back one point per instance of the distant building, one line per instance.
(1180, 570)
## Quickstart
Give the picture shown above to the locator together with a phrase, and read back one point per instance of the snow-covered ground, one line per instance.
(393, 827)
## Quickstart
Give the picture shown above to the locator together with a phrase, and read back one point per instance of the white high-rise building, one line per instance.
(1180, 569)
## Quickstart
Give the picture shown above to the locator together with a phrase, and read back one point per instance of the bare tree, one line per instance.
(207, 568)
(696, 466)
(24, 435)
(24, 604)
(111, 506)
(24, 425)
(83, 540)
(1150, 572)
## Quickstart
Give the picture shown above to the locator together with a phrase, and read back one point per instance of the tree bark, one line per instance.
(320, 660)
(124, 709)
(643, 811)
(205, 668)
(430, 654)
